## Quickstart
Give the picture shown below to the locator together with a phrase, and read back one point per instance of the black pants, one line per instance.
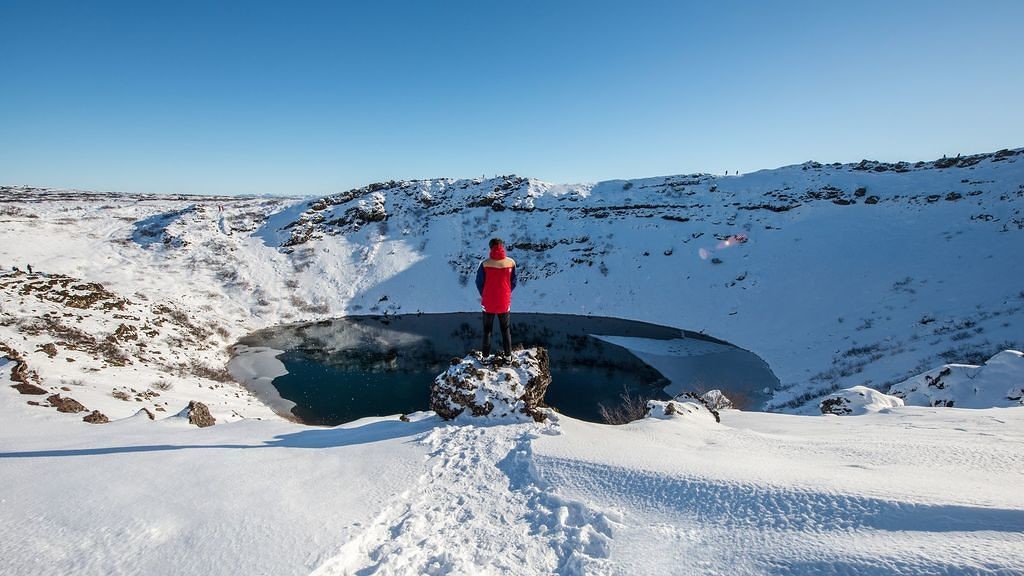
(506, 333)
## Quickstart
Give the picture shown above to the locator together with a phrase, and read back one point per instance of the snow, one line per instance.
(998, 382)
(256, 367)
(912, 491)
(845, 298)
(917, 491)
(858, 400)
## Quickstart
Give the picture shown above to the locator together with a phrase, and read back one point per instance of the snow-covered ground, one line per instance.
(836, 275)
(911, 491)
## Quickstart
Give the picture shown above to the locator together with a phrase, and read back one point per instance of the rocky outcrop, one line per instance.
(69, 405)
(716, 400)
(682, 406)
(198, 414)
(690, 403)
(96, 417)
(26, 388)
(512, 388)
(22, 377)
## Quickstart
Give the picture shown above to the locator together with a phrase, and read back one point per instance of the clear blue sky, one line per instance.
(308, 97)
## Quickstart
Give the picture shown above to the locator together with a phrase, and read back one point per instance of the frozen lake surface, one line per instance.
(340, 370)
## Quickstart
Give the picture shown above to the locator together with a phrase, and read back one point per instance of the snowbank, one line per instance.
(858, 400)
(671, 409)
(997, 382)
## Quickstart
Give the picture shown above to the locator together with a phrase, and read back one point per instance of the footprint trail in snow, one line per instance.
(480, 508)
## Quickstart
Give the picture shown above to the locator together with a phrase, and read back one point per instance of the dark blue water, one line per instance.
(353, 367)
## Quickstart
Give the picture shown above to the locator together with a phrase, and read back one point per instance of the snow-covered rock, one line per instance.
(494, 388)
(857, 400)
(691, 409)
(703, 406)
(999, 382)
(716, 400)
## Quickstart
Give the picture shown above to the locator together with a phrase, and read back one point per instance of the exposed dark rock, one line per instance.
(674, 218)
(872, 200)
(126, 332)
(26, 388)
(835, 405)
(50, 349)
(770, 207)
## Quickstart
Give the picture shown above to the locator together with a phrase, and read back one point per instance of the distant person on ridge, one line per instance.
(495, 280)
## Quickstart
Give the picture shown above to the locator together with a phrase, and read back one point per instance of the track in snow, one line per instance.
(480, 509)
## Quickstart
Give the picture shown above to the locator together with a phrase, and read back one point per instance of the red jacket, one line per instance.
(495, 280)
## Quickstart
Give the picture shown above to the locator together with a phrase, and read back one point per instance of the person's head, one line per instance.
(497, 242)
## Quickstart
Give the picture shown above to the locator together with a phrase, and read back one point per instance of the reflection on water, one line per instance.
(348, 368)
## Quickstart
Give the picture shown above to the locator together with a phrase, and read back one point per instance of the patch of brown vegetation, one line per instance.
(70, 292)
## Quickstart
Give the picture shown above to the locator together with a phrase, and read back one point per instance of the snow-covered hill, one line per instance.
(837, 275)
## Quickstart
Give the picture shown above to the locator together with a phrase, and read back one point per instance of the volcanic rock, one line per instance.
(69, 405)
(494, 387)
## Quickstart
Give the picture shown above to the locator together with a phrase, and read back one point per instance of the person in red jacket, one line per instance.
(495, 280)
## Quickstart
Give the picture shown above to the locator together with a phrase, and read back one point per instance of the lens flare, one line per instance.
(729, 242)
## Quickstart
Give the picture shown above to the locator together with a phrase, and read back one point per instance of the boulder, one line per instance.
(198, 414)
(715, 400)
(513, 388)
(857, 400)
(69, 405)
(26, 388)
(689, 403)
(96, 417)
